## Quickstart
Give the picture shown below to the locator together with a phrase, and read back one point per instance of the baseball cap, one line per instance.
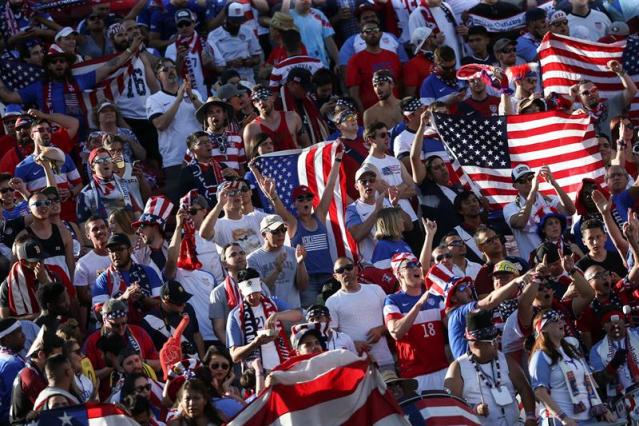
(299, 331)
(300, 190)
(228, 91)
(30, 251)
(619, 28)
(535, 14)
(65, 32)
(105, 105)
(271, 222)
(174, 291)
(23, 122)
(366, 168)
(50, 190)
(118, 239)
(390, 377)
(12, 110)
(520, 171)
(419, 36)
(557, 15)
(183, 15)
(503, 43)
(505, 266)
(235, 11)
(301, 76)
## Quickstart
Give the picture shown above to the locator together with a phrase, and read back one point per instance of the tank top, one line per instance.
(77, 245)
(474, 389)
(52, 248)
(318, 255)
(281, 137)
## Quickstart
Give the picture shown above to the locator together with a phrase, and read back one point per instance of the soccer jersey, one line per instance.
(421, 349)
(132, 103)
(281, 69)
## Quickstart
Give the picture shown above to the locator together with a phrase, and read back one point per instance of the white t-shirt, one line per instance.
(87, 269)
(391, 170)
(403, 9)
(200, 284)
(246, 231)
(270, 357)
(366, 245)
(527, 238)
(208, 255)
(356, 313)
(596, 22)
(416, 20)
(241, 46)
(132, 101)
(472, 269)
(172, 140)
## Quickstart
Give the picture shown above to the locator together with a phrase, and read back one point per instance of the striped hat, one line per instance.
(399, 258)
(156, 211)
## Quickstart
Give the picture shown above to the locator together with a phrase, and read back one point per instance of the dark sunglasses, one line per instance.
(371, 30)
(280, 230)
(412, 264)
(509, 50)
(193, 211)
(43, 203)
(344, 268)
(184, 24)
(456, 243)
(441, 257)
(216, 365)
(304, 198)
(5, 190)
(143, 388)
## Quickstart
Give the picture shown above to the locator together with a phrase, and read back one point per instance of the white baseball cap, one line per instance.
(419, 36)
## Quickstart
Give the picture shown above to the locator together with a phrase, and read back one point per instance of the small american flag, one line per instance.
(487, 149)
(566, 60)
(310, 166)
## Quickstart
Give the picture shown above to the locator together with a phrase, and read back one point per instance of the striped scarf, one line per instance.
(250, 328)
(311, 117)
(73, 102)
(194, 44)
(22, 285)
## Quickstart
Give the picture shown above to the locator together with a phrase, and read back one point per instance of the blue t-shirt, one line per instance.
(33, 174)
(457, 329)
(623, 201)
(434, 89)
(227, 406)
(34, 95)
(10, 366)
(20, 209)
(163, 20)
(314, 28)
(234, 334)
(384, 251)
(101, 291)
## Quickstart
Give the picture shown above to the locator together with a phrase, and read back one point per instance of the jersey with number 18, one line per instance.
(421, 349)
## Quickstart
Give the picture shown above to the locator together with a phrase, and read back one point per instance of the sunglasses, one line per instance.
(412, 264)
(55, 200)
(371, 31)
(193, 211)
(217, 365)
(143, 388)
(463, 287)
(367, 181)
(509, 50)
(441, 257)
(304, 198)
(456, 243)
(103, 160)
(280, 230)
(44, 203)
(345, 268)
(184, 24)
(5, 190)
(525, 179)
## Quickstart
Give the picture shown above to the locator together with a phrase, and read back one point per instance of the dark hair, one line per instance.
(323, 76)
(49, 293)
(128, 387)
(372, 129)
(227, 75)
(247, 379)
(603, 135)
(50, 341)
(461, 197)
(291, 40)
(160, 64)
(54, 365)
(5, 177)
(592, 224)
(111, 343)
(93, 218)
(221, 351)
(198, 386)
(193, 137)
(542, 343)
(247, 274)
(38, 121)
(444, 53)
(24, 49)
(429, 162)
(451, 233)
(136, 404)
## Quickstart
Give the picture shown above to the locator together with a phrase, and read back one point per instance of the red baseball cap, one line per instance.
(301, 190)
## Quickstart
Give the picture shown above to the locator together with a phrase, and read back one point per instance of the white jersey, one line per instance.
(132, 102)
(242, 46)
(403, 9)
(448, 28)
(281, 70)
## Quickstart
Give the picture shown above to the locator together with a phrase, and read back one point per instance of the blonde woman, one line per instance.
(120, 222)
(389, 228)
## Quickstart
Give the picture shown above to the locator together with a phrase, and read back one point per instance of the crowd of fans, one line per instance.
(122, 216)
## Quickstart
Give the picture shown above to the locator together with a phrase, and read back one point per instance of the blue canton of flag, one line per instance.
(89, 414)
(282, 168)
(17, 74)
(630, 56)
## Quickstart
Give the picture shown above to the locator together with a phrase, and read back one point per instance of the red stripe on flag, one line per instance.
(377, 407)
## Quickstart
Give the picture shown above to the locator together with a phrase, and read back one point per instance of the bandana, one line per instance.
(261, 93)
(488, 333)
(398, 259)
(381, 78)
(548, 317)
(187, 259)
(412, 106)
(113, 315)
(343, 103)
(113, 29)
(13, 327)
(448, 80)
(316, 311)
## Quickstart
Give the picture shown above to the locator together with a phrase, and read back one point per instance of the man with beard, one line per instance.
(140, 84)
(469, 207)
(106, 191)
(227, 146)
(137, 285)
(36, 168)
(528, 43)
(203, 173)
(295, 95)
(602, 111)
(504, 50)
(237, 43)
(172, 112)
(60, 92)
(442, 85)
(24, 146)
(360, 68)
(523, 78)
(192, 55)
(387, 110)
(283, 127)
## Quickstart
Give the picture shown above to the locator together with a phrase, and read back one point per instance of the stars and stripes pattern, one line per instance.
(566, 60)
(89, 414)
(439, 408)
(311, 167)
(486, 150)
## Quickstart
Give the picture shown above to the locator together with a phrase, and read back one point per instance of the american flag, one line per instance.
(566, 60)
(89, 414)
(437, 408)
(311, 167)
(487, 149)
(17, 74)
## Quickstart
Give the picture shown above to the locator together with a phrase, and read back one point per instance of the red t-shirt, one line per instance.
(279, 54)
(486, 108)
(6, 143)
(416, 70)
(360, 69)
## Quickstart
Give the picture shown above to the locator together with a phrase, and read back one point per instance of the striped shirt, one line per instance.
(228, 148)
(281, 70)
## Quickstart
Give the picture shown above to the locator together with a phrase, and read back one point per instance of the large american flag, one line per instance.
(566, 60)
(89, 414)
(17, 74)
(487, 149)
(311, 167)
(437, 408)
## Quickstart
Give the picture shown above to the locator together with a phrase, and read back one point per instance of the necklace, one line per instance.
(494, 365)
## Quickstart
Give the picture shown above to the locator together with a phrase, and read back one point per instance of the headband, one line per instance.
(120, 313)
(317, 310)
(261, 93)
(13, 327)
(412, 106)
(382, 77)
(487, 333)
(343, 103)
(547, 318)
(398, 259)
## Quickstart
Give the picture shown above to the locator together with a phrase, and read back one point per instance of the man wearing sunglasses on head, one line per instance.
(523, 214)
(202, 172)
